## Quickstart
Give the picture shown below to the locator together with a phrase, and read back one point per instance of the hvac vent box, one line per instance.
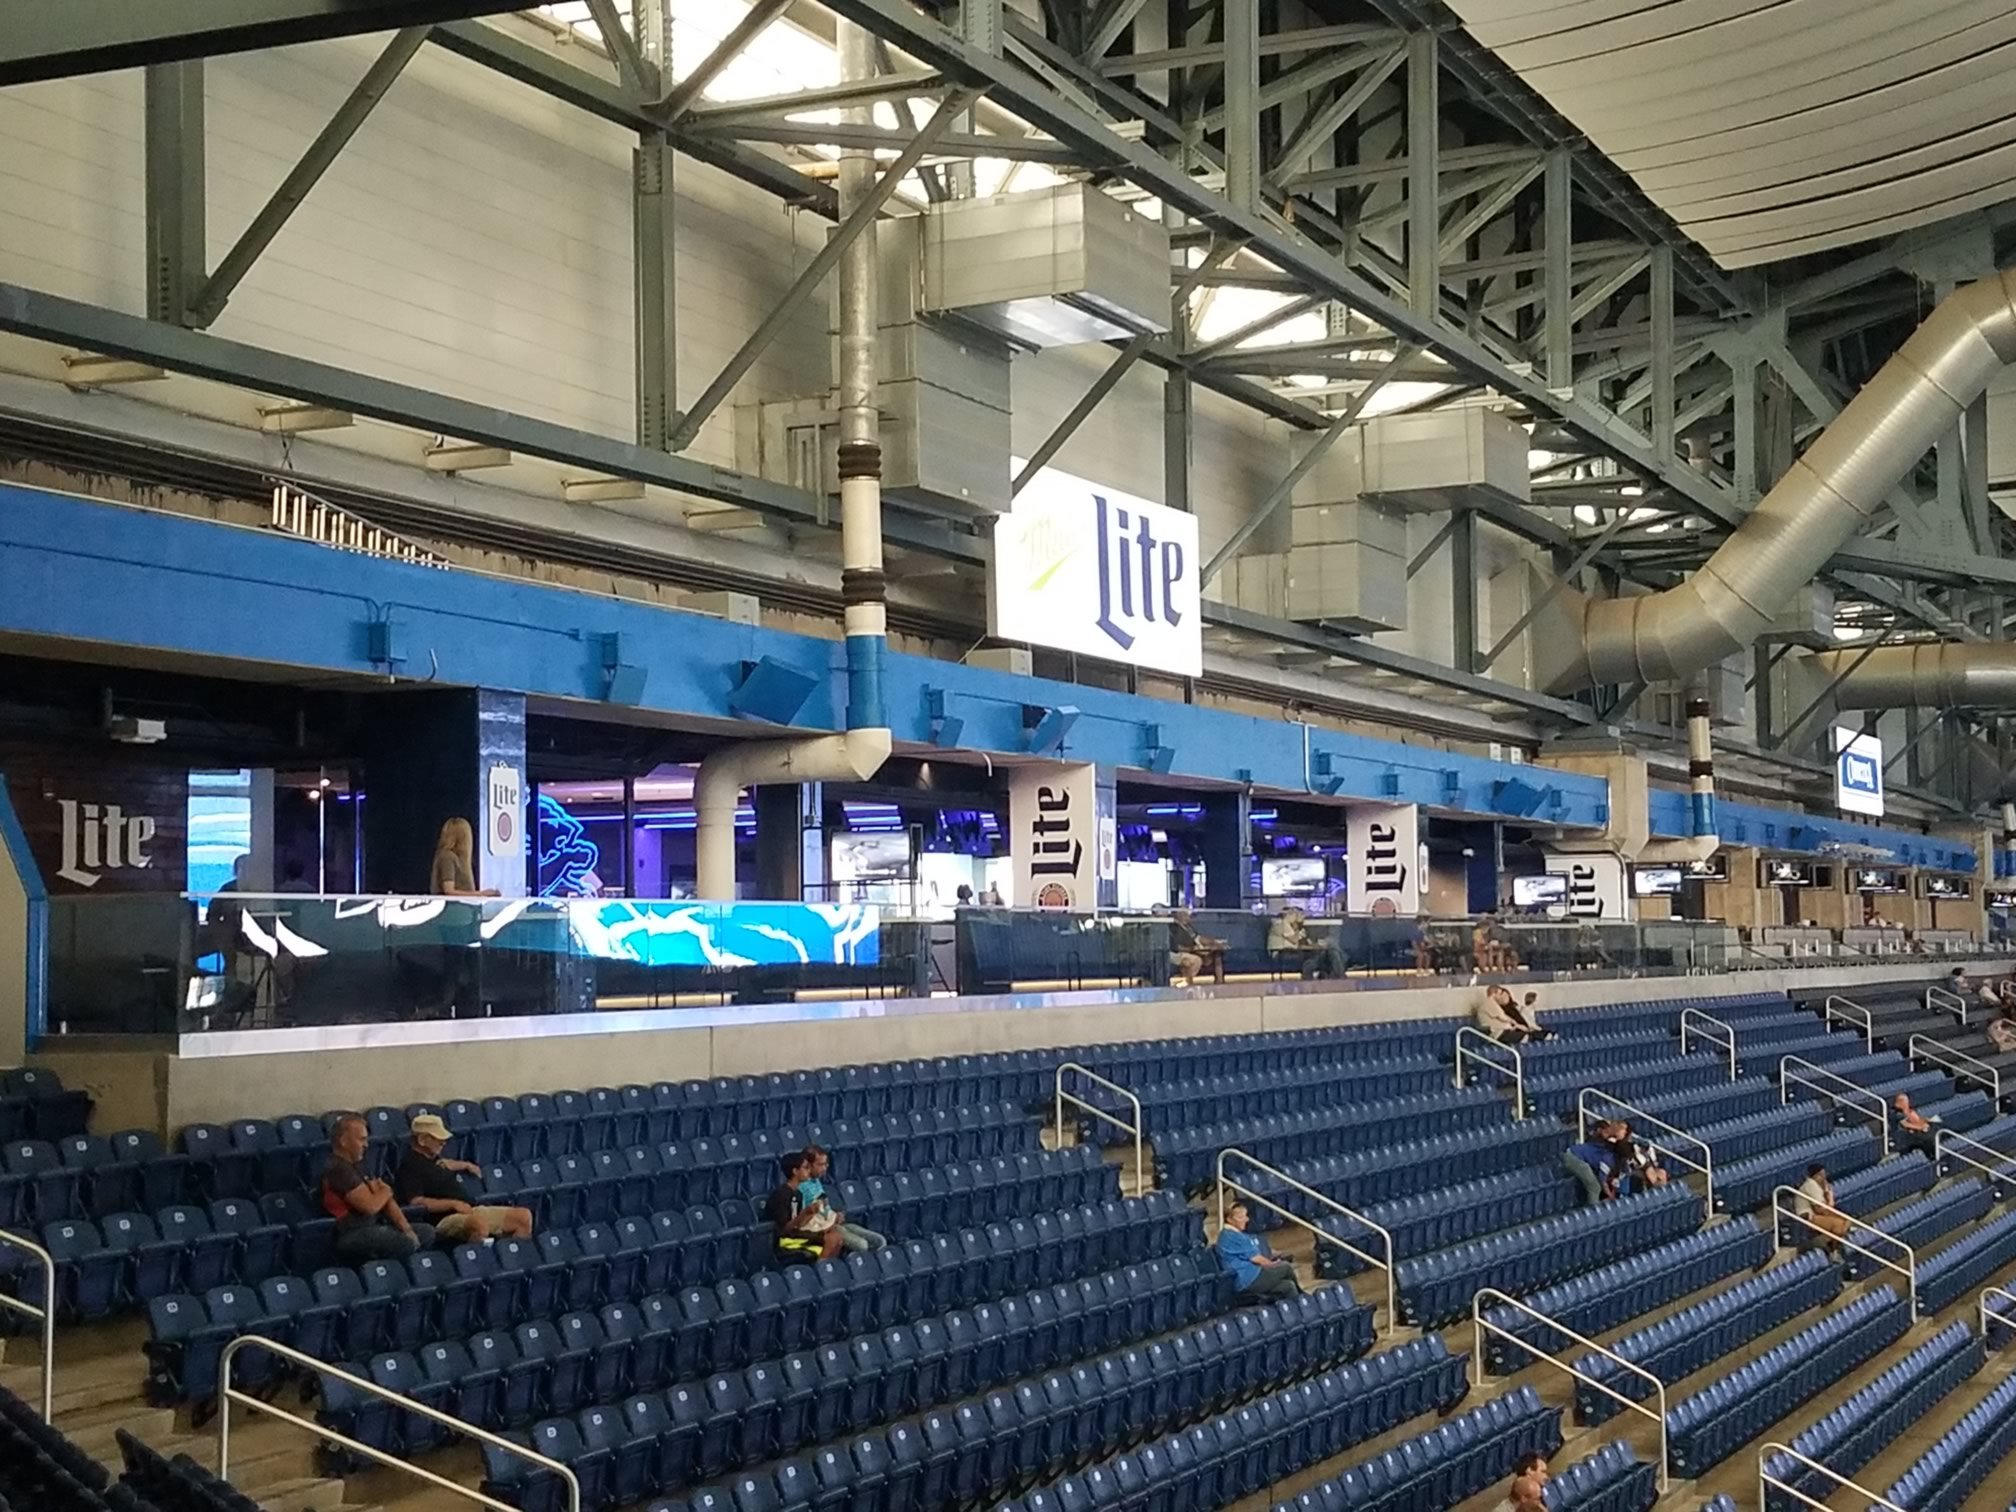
(1059, 267)
(1807, 620)
(1445, 459)
(1352, 587)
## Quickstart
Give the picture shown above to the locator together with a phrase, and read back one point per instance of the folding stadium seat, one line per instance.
(253, 1248)
(363, 1323)
(91, 1278)
(189, 1256)
(462, 1389)
(289, 1306)
(178, 1369)
(607, 1367)
(51, 1192)
(217, 1168)
(411, 1303)
(361, 1415)
(655, 1453)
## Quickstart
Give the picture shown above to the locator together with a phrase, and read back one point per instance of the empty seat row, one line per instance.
(389, 1304)
(252, 1156)
(1965, 1111)
(1186, 1158)
(1747, 1184)
(1358, 1180)
(1966, 1263)
(1706, 1428)
(42, 1471)
(1755, 1133)
(1614, 1294)
(1712, 1104)
(1595, 1053)
(1167, 1107)
(88, 1175)
(1675, 1347)
(1447, 1464)
(1948, 1473)
(1613, 1479)
(1556, 1094)
(582, 1188)
(1236, 1454)
(1438, 1287)
(1435, 1220)
(1841, 1055)
(1143, 1061)
(711, 1424)
(1875, 1417)
(1666, 1011)
(1878, 1186)
(34, 1104)
(1919, 1223)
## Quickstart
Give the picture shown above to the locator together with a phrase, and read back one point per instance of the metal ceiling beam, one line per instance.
(1204, 54)
(54, 39)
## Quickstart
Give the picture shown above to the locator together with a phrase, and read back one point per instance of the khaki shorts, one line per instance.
(456, 1227)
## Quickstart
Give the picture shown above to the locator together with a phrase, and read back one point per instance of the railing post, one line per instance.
(1841, 1482)
(1390, 1264)
(1786, 1076)
(1517, 1070)
(1955, 1062)
(1699, 1023)
(45, 1315)
(1908, 1270)
(1135, 1128)
(1840, 1007)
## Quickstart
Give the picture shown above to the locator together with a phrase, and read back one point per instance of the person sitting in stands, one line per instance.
(1289, 942)
(1192, 954)
(369, 1224)
(1816, 1202)
(1908, 1128)
(799, 1240)
(1593, 1164)
(812, 1196)
(432, 1184)
(1528, 1491)
(1637, 1165)
(1262, 1277)
(1499, 1016)
(2002, 1027)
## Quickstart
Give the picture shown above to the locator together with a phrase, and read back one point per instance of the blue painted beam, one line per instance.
(89, 571)
(1808, 834)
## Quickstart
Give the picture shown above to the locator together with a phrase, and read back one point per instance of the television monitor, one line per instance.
(1294, 877)
(1714, 869)
(1779, 873)
(1549, 889)
(1655, 881)
(1876, 879)
(1948, 887)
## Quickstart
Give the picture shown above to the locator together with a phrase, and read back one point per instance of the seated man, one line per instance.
(1192, 954)
(1499, 1016)
(1528, 1491)
(369, 1223)
(1290, 943)
(1908, 1128)
(1262, 1277)
(812, 1197)
(426, 1181)
(799, 1237)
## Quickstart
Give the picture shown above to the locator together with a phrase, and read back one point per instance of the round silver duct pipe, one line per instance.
(1980, 674)
(1829, 494)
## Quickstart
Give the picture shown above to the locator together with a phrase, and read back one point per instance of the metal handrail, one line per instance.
(1247, 1194)
(1517, 1070)
(1479, 1325)
(1135, 1128)
(227, 1394)
(1908, 1270)
(1837, 1006)
(45, 1315)
(2002, 1173)
(1952, 1002)
(1700, 1023)
(2007, 1320)
(1706, 1165)
(1971, 1066)
(1841, 1482)
(1786, 1075)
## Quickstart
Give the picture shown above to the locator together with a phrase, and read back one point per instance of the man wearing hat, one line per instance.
(426, 1181)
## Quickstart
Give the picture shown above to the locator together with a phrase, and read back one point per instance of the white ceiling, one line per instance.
(1770, 128)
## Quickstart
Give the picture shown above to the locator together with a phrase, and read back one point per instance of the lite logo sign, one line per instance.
(1084, 568)
(1382, 861)
(1858, 773)
(102, 837)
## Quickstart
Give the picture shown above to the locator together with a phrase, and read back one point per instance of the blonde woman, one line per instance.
(454, 873)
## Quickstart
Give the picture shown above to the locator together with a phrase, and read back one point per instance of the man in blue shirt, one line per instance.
(812, 1194)
(1261, 1276)
(1592, 1163)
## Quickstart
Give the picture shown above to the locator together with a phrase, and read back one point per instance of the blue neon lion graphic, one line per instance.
(567, 857)
(727, 934)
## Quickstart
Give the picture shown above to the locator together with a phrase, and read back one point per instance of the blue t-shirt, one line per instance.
(1600, 1158)
(1236, 1251)
(810, 1190)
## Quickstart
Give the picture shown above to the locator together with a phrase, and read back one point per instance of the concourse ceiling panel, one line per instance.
(1772, 128)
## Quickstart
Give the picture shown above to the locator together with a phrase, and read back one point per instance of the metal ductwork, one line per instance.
(1828, 495)
(1979, 674)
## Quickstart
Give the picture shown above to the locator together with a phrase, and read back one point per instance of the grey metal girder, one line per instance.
(54, 39)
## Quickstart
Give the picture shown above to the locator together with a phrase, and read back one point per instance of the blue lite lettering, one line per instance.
(1130, 566)
(1858, 772)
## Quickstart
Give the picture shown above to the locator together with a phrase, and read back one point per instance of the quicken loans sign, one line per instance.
(1083, 568)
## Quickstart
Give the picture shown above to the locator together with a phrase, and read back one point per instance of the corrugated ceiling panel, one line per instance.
(1767, 128)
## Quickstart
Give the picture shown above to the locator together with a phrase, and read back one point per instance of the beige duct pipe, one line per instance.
(1703, 839)
(860, 752)
(1975, 674)
(1829, 494)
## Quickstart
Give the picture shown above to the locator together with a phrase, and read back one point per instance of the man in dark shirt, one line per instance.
(369, 1224)
(432, 1184)
(797, 1242)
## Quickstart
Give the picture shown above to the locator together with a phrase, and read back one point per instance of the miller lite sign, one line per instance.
(102, 837)
(1058, 823)
(1382, 861)
(1596, 884)
(1083, 568)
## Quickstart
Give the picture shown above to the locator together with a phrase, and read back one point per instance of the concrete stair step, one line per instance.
(308, 1494)
(92, 1383)
(95, 1430)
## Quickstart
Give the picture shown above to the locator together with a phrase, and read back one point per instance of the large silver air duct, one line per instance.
(1829, 494)
(1978, 674)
